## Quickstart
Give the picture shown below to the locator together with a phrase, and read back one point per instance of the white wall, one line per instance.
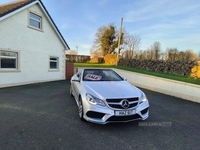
(35, 47)
(170, 87)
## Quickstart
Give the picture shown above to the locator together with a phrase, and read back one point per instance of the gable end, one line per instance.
(10, 8)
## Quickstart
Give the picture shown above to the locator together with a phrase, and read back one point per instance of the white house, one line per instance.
(32, 48)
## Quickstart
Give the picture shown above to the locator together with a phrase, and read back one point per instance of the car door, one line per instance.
(77, 85)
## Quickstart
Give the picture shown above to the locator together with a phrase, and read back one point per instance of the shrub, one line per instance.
(195, 71)
(110, 59)
(97, 60)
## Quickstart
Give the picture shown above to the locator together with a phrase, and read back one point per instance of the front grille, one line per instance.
(124, 118)
(116, 103)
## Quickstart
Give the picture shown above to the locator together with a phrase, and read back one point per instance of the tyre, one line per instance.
(80, 108)
(70, 91)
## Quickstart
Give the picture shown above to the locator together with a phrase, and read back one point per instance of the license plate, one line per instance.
(125, 112)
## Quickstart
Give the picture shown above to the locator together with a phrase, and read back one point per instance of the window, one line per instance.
(53, 62)
(35, 21)
(100, 75)
(8, 60)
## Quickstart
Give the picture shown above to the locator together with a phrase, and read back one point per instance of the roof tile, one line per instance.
(6, 8)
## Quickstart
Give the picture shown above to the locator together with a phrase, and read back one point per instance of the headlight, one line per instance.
(93, 100)
(143, 98)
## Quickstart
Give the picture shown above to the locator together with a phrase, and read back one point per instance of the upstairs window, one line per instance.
(8, 60)
(53, 63)
(35, 21)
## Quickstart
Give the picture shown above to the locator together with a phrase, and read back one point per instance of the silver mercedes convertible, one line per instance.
(103, 96)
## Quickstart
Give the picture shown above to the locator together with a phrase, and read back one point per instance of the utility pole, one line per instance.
(77, 49)
(119, 41)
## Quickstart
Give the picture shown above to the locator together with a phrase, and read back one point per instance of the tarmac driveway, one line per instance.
(44, 116)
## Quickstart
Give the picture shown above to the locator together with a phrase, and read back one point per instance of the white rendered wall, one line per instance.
(35, 47)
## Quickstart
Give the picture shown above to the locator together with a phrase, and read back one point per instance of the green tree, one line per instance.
(107, 39)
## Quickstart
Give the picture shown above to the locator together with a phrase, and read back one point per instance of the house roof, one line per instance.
(9, 7)
(13, 7)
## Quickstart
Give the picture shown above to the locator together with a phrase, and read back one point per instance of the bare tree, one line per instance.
(198, 56)
(140, 55)
(171, 54)
(147, 54)
(180, 55)
(131, 43)
(96, 51)
(152, 53)
(162, 55)
(156, 48)
(190, 55)
(72, 52)
(128, 54)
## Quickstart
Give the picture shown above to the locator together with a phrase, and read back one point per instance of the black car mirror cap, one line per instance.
(75, 80)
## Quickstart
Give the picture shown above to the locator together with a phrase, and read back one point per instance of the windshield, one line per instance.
(100, 75)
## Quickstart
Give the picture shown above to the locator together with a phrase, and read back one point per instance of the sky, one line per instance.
(175, 24)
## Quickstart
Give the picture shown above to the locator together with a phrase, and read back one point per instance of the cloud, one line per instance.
(159, 10)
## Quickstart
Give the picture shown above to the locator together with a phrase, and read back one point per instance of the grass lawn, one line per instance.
(162, 75)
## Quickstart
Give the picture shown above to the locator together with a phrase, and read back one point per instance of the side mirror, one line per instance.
(75, 79)
(124, 78)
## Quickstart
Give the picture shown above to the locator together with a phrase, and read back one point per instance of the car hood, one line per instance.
(111, 89)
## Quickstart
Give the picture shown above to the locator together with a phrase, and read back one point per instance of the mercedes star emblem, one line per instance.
(125, 103)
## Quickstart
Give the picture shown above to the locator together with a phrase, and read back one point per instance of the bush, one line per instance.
(195, 71)
(110, 59)
(97, 60)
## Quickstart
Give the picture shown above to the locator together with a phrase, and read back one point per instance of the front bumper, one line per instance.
(103, 114)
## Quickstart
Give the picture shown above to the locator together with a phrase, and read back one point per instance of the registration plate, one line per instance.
(124, 112)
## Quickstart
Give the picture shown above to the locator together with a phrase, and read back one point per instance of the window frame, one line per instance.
(17, 60)
(57, 63)
(40, 22)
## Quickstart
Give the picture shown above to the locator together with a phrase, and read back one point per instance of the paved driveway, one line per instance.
(44, 116)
